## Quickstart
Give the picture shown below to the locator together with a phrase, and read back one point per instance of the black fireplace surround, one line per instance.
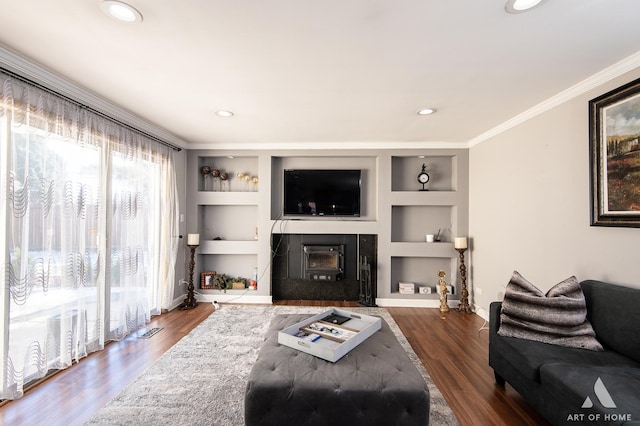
(322, 266)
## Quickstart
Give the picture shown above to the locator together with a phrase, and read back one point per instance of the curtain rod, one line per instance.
(88, 108)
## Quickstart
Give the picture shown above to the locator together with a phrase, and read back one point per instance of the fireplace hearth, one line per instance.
(321, 266)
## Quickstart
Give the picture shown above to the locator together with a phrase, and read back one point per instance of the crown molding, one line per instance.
(18, 64)
(616, 70)
(335, 146)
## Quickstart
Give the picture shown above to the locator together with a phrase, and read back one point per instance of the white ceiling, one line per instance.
(302, 71)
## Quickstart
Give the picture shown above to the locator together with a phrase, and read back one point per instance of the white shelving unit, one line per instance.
(227, 217)
(443, 206)
(393, 208)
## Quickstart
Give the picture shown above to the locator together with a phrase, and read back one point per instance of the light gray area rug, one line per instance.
(201, 380)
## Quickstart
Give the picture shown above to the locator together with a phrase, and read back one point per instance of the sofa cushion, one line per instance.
(614, 313)
(558, 317)
(529, 356)
(616, 398)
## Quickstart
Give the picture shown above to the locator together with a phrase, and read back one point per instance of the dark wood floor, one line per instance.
(452, 347)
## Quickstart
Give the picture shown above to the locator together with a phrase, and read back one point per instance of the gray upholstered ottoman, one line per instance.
(374, 384)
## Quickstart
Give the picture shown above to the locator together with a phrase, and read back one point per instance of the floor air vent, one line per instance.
(150, 333)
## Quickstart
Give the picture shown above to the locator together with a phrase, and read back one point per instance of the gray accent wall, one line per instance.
(530, 207)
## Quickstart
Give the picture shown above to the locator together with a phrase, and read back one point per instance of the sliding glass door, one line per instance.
(134, 237)
(88, 211)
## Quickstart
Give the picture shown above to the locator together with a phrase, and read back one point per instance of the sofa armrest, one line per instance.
(494, 317)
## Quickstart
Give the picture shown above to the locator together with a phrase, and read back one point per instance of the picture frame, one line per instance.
(614, 138)
(206, 280)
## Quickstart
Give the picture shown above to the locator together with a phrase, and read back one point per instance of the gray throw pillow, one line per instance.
(558, 317)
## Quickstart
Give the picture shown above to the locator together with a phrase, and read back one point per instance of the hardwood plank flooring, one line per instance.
(452, 347)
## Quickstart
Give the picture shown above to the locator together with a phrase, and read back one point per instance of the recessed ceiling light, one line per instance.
(121, 11)
(224, 113)
(519, 6)
(426, 111)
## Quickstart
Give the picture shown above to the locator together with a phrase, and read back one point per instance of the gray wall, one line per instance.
(530, 209)
(180, 159)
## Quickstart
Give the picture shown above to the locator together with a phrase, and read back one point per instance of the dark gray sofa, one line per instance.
(557, 380)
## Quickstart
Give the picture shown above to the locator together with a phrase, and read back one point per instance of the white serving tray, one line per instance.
(358, 328)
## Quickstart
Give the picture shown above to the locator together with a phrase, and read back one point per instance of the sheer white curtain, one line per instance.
(85, 255)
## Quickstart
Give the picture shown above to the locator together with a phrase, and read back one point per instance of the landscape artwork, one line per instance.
(615, 157)
(623, 156)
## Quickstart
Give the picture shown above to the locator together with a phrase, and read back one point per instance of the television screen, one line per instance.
(322, 192)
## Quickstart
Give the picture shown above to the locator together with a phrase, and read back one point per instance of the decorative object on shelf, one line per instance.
(424, 290)
(460, 244)
(206, 280)
(248, 180)
(206, 174)
(444, 306)
(430, 238)
(216, 178)
(406, 288)
(253, 284)
(438, 237)
(615, 157)
(224, 282)
(220, 282)
(224, 181)
(423, 177)
(193, 241)
(238, 283)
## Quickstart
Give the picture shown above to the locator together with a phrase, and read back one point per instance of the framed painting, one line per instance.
(206, 280)
(614, 133)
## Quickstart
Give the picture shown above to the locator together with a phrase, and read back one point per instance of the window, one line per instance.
(89, 219)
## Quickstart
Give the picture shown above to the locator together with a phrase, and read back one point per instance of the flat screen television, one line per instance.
(322, 192)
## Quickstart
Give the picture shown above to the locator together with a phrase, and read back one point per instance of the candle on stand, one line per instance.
(460, 243)
(193, 239)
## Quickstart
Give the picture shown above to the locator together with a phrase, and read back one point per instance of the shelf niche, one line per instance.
(413, 223)
(232, 265)
(232, 165)
(405, 172)
(422, 272)
(214, 222)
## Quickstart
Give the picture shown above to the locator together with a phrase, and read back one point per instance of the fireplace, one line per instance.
(322, 266)
(323, 262)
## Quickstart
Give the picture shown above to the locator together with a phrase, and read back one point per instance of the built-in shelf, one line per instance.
(228, 247)
(422, 271)
(394, 210)
(422, 249)
(424, 198)
(226, 198)
(416, 212)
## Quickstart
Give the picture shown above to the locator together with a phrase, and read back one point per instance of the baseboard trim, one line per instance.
(413, 303)
(235, 298)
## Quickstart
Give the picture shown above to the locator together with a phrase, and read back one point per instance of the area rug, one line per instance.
(201, 380)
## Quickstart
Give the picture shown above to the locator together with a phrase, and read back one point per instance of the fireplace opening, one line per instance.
(323, 262)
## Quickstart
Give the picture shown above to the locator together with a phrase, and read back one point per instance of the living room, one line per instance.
(518, 184)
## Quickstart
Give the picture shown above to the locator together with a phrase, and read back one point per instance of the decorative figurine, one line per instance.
(444, 306)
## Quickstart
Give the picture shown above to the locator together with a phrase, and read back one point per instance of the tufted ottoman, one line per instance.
(374, 384)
